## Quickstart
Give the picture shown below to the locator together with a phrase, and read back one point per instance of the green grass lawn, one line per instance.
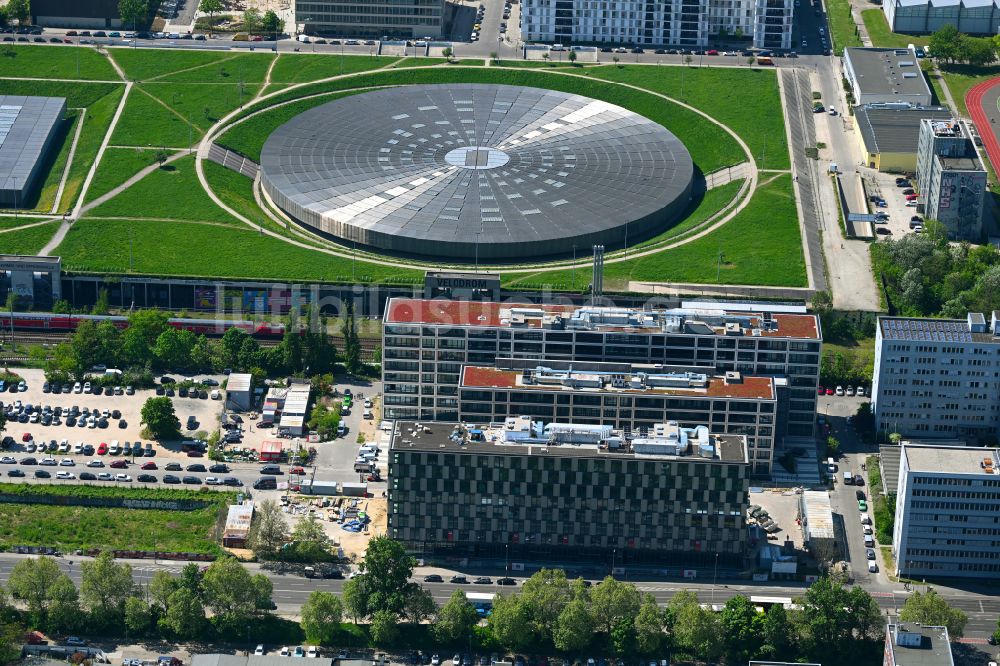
(54, 62)
(145, 122)
(45, 195)
(246, 67)
(145, 64)
(843, 30)
(416, 61)
(758, 118)
(249, 137)
(27, 241)
(171, 192)
(72, 527)
(302, 67)
(933, 78)
(709, 146)
(208, 250)
(878, 31)
(117, 166)
(761, 245)
(960, 78)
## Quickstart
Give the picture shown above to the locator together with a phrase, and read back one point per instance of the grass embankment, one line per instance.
(117, 166)
(27, 241)
(36, 61)
(879, 33)
(883, 506)
(302, 67)
(960, 78)
(69, 527)
(843, 30)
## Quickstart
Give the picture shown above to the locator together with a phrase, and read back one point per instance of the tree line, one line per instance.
(150, 344)
(949, 45)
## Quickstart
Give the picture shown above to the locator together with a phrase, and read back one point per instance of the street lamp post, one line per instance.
(715, 578)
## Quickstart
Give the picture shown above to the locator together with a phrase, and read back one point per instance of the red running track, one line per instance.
(981, 101)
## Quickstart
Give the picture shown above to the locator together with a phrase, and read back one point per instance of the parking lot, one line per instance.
(899, 213)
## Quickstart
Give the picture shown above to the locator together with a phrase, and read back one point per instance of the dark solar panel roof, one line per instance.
(931, 330)
(457, 170)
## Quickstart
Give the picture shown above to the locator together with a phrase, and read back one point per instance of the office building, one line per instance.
(663, 22)
(28, 129)
(912, 644)
(885, 76)
(951, 178)
(564, 491)
(633, 398)
(427, 342)
(888, 134)
(947, 512)
(359, 18)
(937, 378)
(77, 14)
(972, 17)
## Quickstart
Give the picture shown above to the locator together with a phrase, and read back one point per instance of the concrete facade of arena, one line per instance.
(633, 398)
(671, 22)
(426, 344)
(568, 492)
(911, 644)
(888, 134)
(77, 13)
(477, 171)
(951, 179)
(358, 18)
(973, 17)
(947, 510)
(885, 76)
(28, 127)
(937, 378)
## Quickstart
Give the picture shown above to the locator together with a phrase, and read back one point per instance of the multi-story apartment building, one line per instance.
(568, 492)
(937, 378)
(950, 178)
(658, 22)
(947, 512)
(631, 398)
(361, 18)
(427, 342)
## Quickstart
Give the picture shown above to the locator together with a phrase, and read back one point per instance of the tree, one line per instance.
(322, 614)
(447, 53)
(455, 619)
(574, 627)
(778, 634)
(64, 610)
(419, 605)
(20, 10)
(356, 598)
(101, 305)
(104, 588)
(137, 341)
(510, 622)
(324, 420)
(185, 614)
(11, 638)
(546, 594)
(211, 7)
(750, 61)
(615, 59)
(835, 623)
(271, 23)
(945, 43)
(612, 600)
(138, 615)
(352, 346)
(31, 581)
(385, 572)
(173, 348)
(384, 630)
(233, 595)
(252, 21)
(623, 636)
(161, 156)
(931, 609)
(133, 11)
(572, 56)
(978, 51)
(310, 530)
(159, 417)
(232, 339)
(996, 634)
(740, 629)
(649, 636)
(696, 629)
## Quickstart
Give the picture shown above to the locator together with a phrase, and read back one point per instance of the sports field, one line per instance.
(189, 218)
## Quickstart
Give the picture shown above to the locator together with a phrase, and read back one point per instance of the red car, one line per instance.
(821, 391)
(911, 197)
(195, 454)
(297, 470)
(148, 465)
(26, 437)
(711, 52)
(119, 464)
(102, 449)
(829, 391)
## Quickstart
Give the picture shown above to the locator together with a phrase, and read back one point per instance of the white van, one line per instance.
(869, 541)
(367, 454)
(848, 478)
(831, 466)
(304, 39)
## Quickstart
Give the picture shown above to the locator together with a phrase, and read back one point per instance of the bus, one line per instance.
(763, 603)
(481, 601)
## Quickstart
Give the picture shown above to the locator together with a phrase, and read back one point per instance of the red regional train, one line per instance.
(41, 321)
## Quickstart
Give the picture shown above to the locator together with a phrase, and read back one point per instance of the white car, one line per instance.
(860, 391)
(872, 567)
(104, 476)
(285, 652)
(312, 652)
(850, 391)
(259, 652)
(64, 446)
(67, 462)
(213, 481)
(77, 388)
(95, 463)
(86, 387)
(62, 474)
(867, 529)
(840, 390)
(114, 449)
(50, 462)
(123, 477)
(91, 423)
(78, 447)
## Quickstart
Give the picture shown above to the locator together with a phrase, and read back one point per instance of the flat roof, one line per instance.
(761, 388)
(239, 381)
(437, 437)
(884, 71)
(951, 459)
(914, 329)
(819, 515)
(916, 645)
(492, 314)
(893, 130)
(961, 163)
(25, 126)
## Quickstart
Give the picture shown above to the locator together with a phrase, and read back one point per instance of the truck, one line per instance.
(355, 489)
(364, 465)
(318, 487)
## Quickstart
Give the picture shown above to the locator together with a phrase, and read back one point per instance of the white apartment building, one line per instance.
(937, 378)
(947, 512)
(691, 23)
